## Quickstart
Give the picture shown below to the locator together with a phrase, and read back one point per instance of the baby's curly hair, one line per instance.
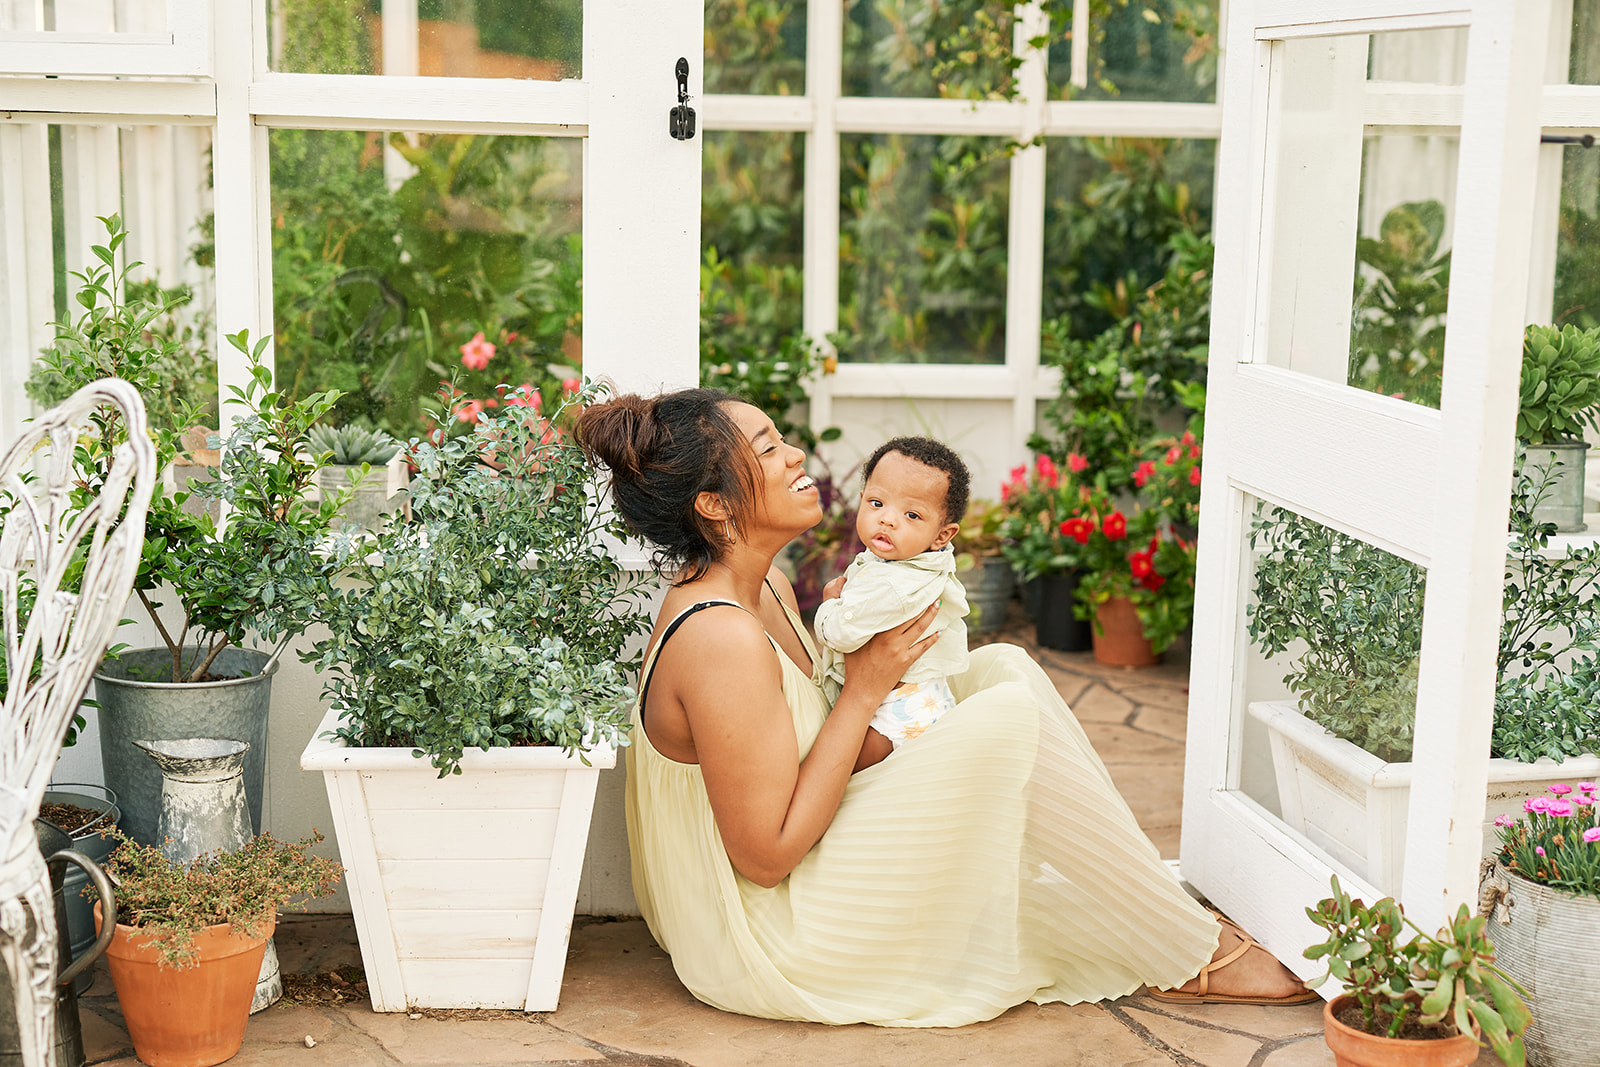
(935, 454)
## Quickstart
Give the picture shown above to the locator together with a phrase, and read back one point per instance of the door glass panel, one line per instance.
(541, 40)
(1360, 208)
(1334, 631)
(1153, 50)
(756, 48)
(922, 248)
(1578, 239)
(1584, 68)
(468, 270)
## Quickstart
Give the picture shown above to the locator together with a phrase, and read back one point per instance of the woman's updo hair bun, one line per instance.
(662, 453)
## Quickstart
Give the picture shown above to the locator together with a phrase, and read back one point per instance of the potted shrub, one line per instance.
(1410, 997)
(1558, 398)
(358, 460)
(1350, 617)
(478, 676)
(253, 575)
(189, 940)
(984, 571)
(1545, 884)
(1042, 555)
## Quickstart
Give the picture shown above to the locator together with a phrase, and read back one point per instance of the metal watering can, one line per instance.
(56, 846)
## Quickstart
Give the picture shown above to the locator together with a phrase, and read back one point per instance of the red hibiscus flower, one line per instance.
(1077, 529)
(1115, 526)
(1144, 472)
(1152, 581)
(1139, 563)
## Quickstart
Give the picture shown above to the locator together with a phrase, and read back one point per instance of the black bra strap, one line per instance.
(672, 628)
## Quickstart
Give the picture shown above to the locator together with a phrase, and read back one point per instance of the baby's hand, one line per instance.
(832, 590)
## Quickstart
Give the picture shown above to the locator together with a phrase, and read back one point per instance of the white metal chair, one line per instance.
(52, 654)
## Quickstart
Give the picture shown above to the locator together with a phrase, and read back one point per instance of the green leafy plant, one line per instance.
(1560, 391)
(1351, 616)
(981, 535)
(1400, 975)
(170, 903)
(1402, 285)
(497, 616)
(1040, 498)
(1556, 840)
(351, 446)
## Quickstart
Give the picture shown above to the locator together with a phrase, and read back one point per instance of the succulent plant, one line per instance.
(351, 446)
(1560, 392)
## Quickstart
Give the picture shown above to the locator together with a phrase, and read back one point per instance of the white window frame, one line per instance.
(178, 45)
(1432, 486)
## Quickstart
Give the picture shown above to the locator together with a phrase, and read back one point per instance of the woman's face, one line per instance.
(786, 497)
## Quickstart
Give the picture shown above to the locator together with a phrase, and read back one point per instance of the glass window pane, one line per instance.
(469, 269)
(922, 248)
(756, 47)
(1578, 239)
(1357, 266)
(1112, 207)
(1148, 50)
(927, 48)
(81, 17)
(540, 40)
(1334, 626)
(750, 229)
(1585, 65)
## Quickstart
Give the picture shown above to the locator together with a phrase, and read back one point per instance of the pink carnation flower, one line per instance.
(1561, 789)
(1592, 834)
(1537, 805)
(1503, 820)
(1561, 809)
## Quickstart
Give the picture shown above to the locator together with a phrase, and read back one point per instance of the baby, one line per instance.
(914, 497)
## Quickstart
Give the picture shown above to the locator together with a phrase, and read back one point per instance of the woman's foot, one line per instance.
(1240, 972)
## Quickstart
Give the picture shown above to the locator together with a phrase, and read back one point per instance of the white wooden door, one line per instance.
(1338, 115)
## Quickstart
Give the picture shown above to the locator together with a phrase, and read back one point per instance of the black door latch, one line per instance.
(680, 120)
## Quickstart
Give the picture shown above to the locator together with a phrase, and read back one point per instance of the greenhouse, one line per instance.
(1340, 256)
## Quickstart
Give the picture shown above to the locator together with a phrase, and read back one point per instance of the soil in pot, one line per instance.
(1354, 1047)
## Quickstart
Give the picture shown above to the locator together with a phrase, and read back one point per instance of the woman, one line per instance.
(990, 863)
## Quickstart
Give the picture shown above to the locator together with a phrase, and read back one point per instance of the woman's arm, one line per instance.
(771, 807)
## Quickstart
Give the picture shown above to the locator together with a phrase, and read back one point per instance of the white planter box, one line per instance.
(1353, 805)
(462, 887)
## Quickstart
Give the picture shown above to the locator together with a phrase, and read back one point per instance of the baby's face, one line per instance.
(902, 509)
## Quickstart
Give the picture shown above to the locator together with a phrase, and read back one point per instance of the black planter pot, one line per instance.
(1054, 624)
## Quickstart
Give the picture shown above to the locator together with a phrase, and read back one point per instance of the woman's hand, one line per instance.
(877, 666)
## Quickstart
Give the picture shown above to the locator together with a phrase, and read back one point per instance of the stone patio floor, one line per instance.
(622, 1005)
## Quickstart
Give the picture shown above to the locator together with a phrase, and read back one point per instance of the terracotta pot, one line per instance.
(1356, 1048)
(193, 1017)
(1119, 639)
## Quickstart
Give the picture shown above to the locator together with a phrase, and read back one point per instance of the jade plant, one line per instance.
(1399, 974)
(1560, 391)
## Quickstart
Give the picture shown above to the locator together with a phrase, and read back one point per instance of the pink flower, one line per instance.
(1076, 463)
(1536, 805)
(476, 353)
(1503, 820)
(1561, 789)
(1194, 475)
(1144, 472)
(1187, 438)
(1017, 484)
(1561, 809)
(1587, 787)
(571, 385)
(1592, 834)
(524, 396)
(1194, 451)
(1047, 471)
(1539, 849)
(470, 411)
(1174, 454)
(1582, 801)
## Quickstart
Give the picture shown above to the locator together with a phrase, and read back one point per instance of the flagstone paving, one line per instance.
(622, 1005)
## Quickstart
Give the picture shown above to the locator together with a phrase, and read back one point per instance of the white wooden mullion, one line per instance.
(145, 101)
(1288, 19)
(884, 114)
(820, 225)
(1571, 108)
(731, 111)
(1113, 118)
(1025, 233)
(239, 174)
(376, 102)
(641, 195)
(1461, 627)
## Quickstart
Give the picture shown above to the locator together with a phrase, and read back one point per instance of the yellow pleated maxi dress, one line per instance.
(988, 862)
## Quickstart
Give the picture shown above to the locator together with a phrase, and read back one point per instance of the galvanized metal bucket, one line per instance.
(86, 839)
(989, 585)
(1551, 945)
(135, 704)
